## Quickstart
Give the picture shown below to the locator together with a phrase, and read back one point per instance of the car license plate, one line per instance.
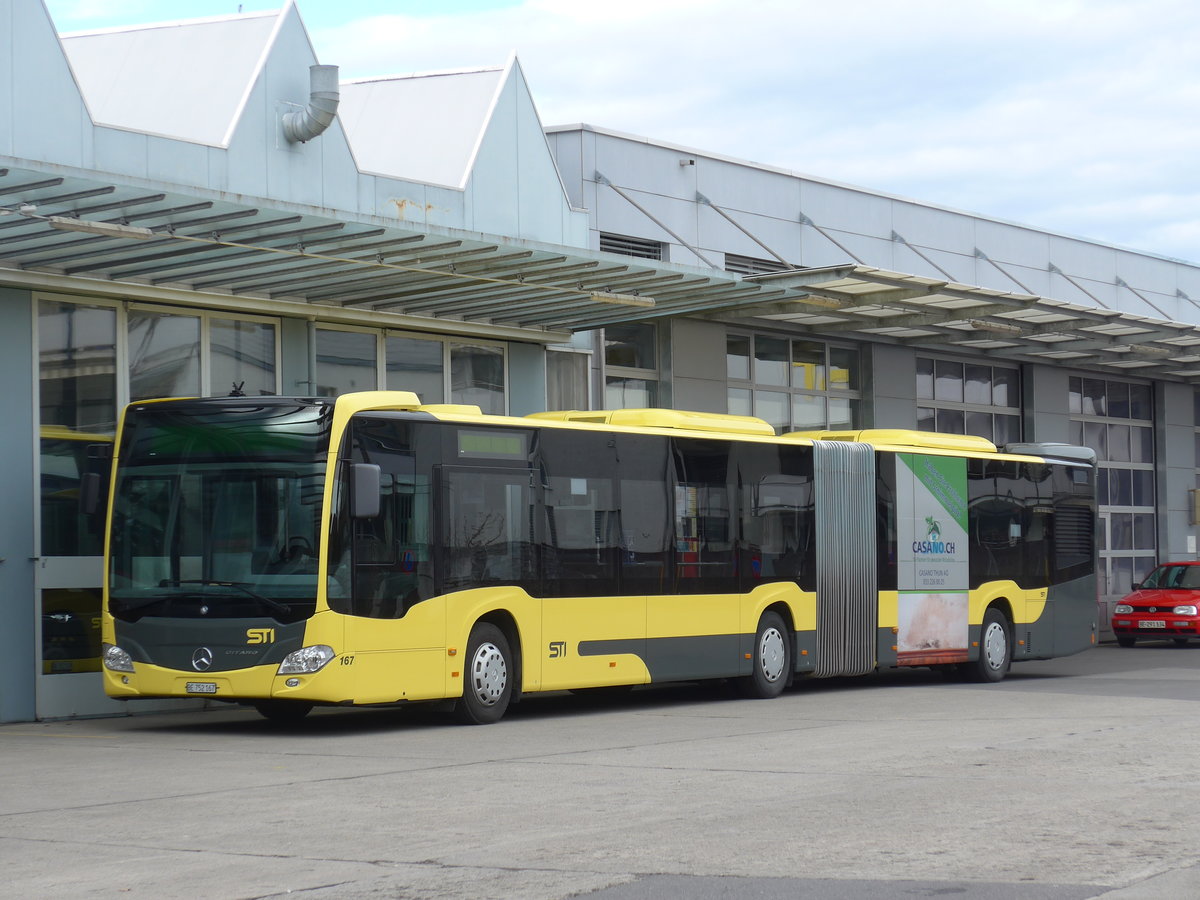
(201, 687)
(1152, 623)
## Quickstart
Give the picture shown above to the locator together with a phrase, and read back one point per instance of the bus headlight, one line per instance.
(306, 660)
(1123, 609)
(116, 659)
(1187, 610)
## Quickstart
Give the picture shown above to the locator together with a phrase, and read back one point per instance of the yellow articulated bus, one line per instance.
(369, 550)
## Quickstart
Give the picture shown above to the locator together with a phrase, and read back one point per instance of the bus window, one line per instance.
(703, 510)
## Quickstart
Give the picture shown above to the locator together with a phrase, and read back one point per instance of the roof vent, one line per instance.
(304, 125)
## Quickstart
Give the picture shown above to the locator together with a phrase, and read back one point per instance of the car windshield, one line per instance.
(218, 515)
(1174, 577)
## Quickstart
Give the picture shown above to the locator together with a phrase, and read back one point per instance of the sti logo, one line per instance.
(558, 649)
(260, 635)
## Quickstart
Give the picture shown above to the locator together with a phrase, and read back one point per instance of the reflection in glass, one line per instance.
(345, 362)
(1118, 442)
(1141, 444)
(630, 346)
(1094, 403)
(1004, 387)
(1143, 487)
(1075, 396)
(737, 357)
(567, 380)
(771, 361)
(978, 387)
(77, 366)
(629, 393)
(164, 355)
(1118, 399)
(926, 419)
(948, 381)
(808, 366)
(242, 353)
(773, 407)
(70, 631)
(924, 378)
(1140, 404)
(477, 377)
(978, 424)
(950, 421)
(808, 412)
(1008, 430)
(416, 365)
(842, 412)
(739, 402)
(77, 391)
(843, 369)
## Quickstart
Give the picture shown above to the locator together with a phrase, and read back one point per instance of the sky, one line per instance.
(1077, 116)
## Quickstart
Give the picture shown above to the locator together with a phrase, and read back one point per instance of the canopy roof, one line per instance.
(87, 233)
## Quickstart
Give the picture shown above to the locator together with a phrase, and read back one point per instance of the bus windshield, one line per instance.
(217, 512)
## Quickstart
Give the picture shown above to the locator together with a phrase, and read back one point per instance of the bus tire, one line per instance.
(487, 680)
(284, 711)
(772, 659)
(995, 649)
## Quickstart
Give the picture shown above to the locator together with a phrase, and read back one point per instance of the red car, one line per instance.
(1165, 605)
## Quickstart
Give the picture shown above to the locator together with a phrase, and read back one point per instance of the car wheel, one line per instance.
(1180, 642)
(1126, 640)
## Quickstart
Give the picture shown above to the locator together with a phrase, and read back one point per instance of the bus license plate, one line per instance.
(1152, 623)
(201, 687)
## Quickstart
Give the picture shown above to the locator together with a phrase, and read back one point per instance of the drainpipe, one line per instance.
(304, 125)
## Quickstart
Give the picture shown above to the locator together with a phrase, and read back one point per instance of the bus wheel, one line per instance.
(1126, 640)
(487, 681)
(772, 659)
(283, 710)
(995, 649)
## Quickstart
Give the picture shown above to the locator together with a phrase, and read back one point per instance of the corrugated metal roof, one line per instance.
(400, 127)
(183, 80)
(308, 263)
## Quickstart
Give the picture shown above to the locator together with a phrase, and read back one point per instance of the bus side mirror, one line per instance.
(365, 485)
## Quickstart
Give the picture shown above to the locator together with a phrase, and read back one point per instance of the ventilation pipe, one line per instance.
(304, 125)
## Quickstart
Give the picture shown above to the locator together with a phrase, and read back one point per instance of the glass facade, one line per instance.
(796, 385)
(955, 397)
(630, 366)
(1116, 419)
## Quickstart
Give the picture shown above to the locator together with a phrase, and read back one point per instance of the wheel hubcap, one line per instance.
(489, 673)
(771, 654)
(995, 645)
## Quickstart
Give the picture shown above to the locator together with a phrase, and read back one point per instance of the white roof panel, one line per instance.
(182, 80)
(419, 127)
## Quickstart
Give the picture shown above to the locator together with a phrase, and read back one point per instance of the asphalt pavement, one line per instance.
(1073, 778)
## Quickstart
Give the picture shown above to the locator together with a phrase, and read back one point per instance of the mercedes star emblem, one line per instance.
(202, 659)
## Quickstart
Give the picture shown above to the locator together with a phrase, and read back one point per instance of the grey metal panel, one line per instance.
(17, 597)
(567, 147)
(183, 82)
(748, 189)
(846, 209)
(1012, 244)
(847, 583)
(718, 235)
(1083, 258)
(935, 263)
(930, 227)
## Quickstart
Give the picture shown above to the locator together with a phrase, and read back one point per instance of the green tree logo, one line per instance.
(933, 527)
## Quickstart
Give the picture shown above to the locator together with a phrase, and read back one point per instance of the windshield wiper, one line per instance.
(273, 605)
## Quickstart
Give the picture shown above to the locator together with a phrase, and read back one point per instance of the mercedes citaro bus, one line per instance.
(370, 550)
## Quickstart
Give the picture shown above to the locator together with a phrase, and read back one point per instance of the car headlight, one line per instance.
(1188, 610)
(116, 659)
(306, 660)
(1123, 609)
